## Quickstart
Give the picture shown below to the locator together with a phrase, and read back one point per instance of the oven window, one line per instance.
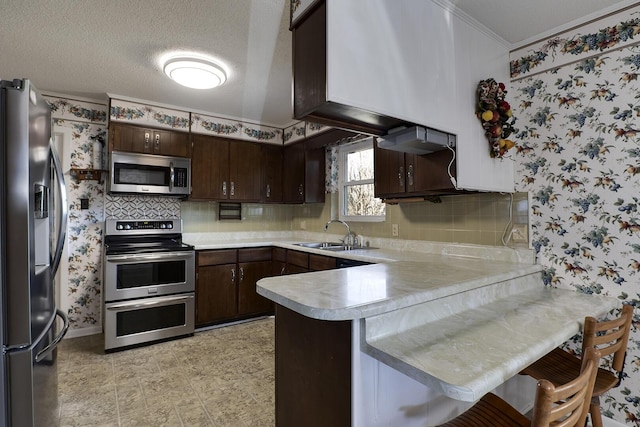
(124, 173)
(150, 274)
(150, 319)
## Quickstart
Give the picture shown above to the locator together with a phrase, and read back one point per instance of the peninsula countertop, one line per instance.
(403, 273)
(420, 301)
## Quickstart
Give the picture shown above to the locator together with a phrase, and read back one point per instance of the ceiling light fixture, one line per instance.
(195, 73)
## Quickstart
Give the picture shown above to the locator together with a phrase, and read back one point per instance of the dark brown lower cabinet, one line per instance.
(226, 284)
(249, 302)
(216, 293)
(313, 371)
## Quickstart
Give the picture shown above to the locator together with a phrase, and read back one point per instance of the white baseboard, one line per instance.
(608, 422)
(83, 332)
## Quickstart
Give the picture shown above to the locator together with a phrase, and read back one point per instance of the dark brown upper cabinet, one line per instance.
(135, 139)
(224, 169)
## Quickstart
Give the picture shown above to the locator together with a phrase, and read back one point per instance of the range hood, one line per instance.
(417, 140)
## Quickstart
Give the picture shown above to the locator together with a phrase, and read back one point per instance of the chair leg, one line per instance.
(594, 410)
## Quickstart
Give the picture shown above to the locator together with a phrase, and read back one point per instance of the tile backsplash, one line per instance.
(141, 207)
(471, 218)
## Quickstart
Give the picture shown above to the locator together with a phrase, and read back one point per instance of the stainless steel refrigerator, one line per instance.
(31, 240)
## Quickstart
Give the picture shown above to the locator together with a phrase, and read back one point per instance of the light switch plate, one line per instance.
(394, 230)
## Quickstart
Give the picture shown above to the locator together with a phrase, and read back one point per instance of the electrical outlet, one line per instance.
(303, 225)
(520, 233)
(394, 230)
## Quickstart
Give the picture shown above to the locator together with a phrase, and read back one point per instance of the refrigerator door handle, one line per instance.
(63, 209)
(48, 349)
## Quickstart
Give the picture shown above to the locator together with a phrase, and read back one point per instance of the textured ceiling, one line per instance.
(519, 20)
(89, 48)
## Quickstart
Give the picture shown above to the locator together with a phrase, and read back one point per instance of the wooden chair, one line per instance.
(609, 337)
(564, 405)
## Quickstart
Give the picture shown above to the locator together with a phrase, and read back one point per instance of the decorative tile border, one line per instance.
(159, 117)
(612, 32)
(211, 125)
(294, 133)
(79, 111)
(314, 128)
(141, 207)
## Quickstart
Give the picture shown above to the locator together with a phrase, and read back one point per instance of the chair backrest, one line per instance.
(567, 405)
(610, 337)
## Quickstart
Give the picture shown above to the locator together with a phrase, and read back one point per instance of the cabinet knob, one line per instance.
(241, 274)
(147, 138)
(233, 275)
(224, 188)
(268, 191)
(401, 177)
(157, 144)
(301, 190)
(233, 189)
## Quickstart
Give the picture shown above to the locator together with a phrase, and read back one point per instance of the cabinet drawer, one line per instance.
(300, 259)
(279, 254)
(321, 262)
(254, 254)
(225, 256)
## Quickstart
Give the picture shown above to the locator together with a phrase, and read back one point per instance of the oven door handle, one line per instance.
(163, 256)
(159, 302)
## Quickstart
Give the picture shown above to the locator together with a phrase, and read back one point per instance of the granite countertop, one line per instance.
(459, 318)
(405, 273)
(466, 345)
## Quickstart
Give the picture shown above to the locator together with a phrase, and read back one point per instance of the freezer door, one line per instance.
(32, 381)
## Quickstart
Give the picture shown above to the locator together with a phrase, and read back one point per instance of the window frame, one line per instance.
(343, 151)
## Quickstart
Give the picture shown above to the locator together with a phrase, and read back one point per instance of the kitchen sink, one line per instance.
(320, 245)
(331, 246)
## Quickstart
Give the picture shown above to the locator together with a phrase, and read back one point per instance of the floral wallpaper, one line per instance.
(76, 124)
(578, 156)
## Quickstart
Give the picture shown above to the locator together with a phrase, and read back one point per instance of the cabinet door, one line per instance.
(293, 173)
(249, 302)
(271, 185)
(209, 168)
(202, 167)
(170, 143)
(389, 172)
(216, 294)
(314, 175)
(130, 139)
(244, 171)
(321, 262)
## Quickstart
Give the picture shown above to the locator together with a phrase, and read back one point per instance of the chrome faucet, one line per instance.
(350, 239)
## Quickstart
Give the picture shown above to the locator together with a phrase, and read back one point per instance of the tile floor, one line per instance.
(220, 377)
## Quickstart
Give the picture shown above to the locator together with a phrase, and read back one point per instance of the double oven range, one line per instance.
(149, 282)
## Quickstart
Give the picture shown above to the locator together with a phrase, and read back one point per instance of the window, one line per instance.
(357, 202)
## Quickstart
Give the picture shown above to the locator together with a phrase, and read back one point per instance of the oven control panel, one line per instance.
(143, 226)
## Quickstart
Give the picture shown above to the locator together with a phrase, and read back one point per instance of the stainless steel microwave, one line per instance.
(135, 173)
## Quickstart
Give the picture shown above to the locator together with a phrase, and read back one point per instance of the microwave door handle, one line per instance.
(171, 176)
